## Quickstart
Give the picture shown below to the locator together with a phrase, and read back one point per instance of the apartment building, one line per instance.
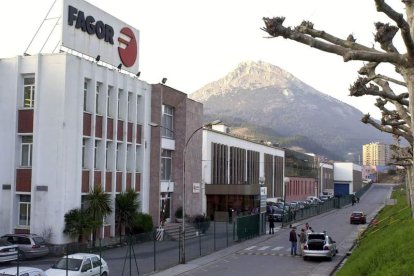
(376, 154)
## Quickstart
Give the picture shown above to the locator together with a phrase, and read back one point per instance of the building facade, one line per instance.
(234, 170)
(174, 118)
(376, 154)
(69, 125)
(347, 178)
(302, 172)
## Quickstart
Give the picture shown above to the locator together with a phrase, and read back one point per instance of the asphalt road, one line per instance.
(271, 255)
(264, 255)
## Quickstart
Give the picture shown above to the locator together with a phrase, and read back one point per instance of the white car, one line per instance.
(80, 264)
(23, 271)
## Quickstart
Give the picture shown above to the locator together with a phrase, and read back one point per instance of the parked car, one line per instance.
(319, 245)
(79, 264)
(324, 197)
(358, 217)
(23, 271)
(8, 251)
(30, 245)
(278, 213)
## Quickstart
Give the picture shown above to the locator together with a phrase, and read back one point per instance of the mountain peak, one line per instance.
(248, 75)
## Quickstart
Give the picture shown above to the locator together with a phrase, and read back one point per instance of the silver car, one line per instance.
(30, 245)
(319, 245)
(8, 251)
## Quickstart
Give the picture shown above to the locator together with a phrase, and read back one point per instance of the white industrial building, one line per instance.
(347, 178)
(68, 125)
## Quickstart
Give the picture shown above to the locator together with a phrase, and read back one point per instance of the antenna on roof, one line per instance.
(42, 25)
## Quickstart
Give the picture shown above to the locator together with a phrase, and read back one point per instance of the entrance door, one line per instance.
(165, 207)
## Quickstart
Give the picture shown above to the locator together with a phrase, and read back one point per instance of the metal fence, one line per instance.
(160, 249)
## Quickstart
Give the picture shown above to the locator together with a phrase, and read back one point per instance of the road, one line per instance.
(265, 255)
(271, 256)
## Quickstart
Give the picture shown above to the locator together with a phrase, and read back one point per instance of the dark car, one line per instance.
(278, 213)
(30, 245)
(358, 217)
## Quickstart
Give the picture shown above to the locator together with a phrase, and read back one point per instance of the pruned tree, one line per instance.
(395, 94)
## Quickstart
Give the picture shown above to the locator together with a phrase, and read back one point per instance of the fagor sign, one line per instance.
(94, 32)
(88, 24)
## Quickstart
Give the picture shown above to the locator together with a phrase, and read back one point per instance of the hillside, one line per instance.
(261, 100)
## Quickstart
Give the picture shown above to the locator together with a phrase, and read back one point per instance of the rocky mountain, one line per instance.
(261, 101)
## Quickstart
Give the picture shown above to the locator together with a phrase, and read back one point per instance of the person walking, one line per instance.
(271, 224)
(302, 240)
(293, 241)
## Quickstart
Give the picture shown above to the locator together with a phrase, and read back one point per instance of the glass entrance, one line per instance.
(165, 208)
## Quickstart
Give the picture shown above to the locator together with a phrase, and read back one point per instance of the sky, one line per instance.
(195, 42)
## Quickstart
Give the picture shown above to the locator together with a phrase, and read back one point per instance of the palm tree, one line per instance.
(77, 224)
(98, 205)
(126, 206)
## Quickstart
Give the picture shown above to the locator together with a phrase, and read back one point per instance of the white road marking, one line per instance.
(277, 248)
(250, 248)
(263, 248)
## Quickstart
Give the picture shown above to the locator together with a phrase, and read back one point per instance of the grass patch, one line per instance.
(386, 248)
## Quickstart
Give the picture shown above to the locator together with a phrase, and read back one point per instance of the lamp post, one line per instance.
(286, 181)
(184, 155)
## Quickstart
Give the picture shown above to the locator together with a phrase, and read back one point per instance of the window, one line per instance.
(29, 92)
(95, 161)
(24, 210)
(108, 147)
(86, 265)
(26, 151)
(108, 110)
(119, 102)
(166, 164)
(85, 95)
(84, 153)
(98, 87)
(96, 262)
(167, 127)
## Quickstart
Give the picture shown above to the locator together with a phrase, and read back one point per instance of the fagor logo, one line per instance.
(128, 46)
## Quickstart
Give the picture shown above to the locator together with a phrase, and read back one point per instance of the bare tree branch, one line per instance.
(401, 23)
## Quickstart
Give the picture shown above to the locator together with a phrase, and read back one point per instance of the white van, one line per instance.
(273, 200)
(314, 200)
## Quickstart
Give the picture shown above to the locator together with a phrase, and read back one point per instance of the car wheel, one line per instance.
(103, 274)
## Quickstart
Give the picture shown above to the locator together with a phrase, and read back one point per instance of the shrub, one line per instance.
(200, 222)
(141, 223)
(179, 212)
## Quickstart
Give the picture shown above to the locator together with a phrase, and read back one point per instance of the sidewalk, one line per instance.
(183, 268)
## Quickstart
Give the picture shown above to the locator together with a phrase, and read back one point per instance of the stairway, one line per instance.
(172, 231)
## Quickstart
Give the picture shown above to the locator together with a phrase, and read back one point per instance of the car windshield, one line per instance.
(3, 242)
(73, 264)
(316, 237)
(357, 214)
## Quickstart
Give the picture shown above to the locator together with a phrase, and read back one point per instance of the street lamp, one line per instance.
(184, 155)
(286, 181)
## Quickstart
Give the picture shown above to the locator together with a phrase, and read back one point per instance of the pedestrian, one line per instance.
(306, 226)
(357, 198)
(293, 241)
(309, 231)
(271, 224)
(302, 240)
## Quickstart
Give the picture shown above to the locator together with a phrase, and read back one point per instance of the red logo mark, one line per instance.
(128, 49)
